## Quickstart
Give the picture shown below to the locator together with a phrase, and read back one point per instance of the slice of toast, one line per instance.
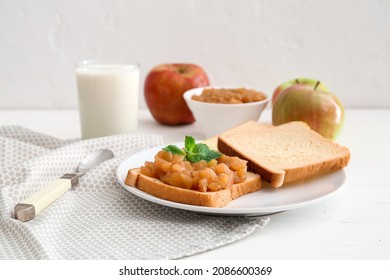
(220, 198)
(283, 153)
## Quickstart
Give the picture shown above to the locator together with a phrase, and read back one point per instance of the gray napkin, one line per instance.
(97, 219)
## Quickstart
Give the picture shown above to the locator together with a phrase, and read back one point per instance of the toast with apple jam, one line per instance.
(194, 175)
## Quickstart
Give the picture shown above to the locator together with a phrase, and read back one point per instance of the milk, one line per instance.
(108, 98)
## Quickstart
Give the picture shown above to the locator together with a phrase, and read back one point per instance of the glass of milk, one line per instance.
(108, 97)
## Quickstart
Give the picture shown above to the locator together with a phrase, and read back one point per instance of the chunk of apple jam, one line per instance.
(215, 175)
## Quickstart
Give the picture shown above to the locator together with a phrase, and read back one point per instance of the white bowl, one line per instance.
(214, 118)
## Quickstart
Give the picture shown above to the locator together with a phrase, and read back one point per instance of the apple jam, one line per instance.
(215, 175)
(229, 96)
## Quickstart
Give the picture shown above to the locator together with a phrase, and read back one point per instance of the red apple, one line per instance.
(304, 81)
(321, 110)
(164, 88)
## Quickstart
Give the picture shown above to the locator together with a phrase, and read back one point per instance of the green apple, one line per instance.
(304, 81)
(320, 109)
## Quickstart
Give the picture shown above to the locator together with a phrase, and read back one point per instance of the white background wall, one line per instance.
(344, 43)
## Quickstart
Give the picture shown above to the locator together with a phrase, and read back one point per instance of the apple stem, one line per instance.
(317, 84)
(296, 81)
(181, 69)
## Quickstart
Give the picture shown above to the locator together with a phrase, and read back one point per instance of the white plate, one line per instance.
(266, 201)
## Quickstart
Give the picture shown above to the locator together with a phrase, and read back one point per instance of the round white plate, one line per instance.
(266, 201)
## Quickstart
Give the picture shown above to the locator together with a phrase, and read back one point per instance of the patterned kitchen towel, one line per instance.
(97, 219)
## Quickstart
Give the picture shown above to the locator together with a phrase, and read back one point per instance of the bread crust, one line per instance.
(220, 198)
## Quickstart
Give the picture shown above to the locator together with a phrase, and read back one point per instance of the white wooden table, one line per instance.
(353, 224)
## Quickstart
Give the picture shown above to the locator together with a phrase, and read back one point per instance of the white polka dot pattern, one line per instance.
(97, 219)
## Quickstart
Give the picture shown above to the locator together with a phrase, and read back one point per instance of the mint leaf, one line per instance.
(189, 143)
(192, 157)
(202, 152)
(193, 152)
(173, 149)
(212, 155)
(201, 149)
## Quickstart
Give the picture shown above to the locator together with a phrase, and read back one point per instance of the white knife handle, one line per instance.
(32, 206)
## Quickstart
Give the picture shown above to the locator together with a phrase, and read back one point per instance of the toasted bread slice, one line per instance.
(220, 198)
(284, 153)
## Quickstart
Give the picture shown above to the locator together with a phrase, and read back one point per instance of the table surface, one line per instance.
(353, 224)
